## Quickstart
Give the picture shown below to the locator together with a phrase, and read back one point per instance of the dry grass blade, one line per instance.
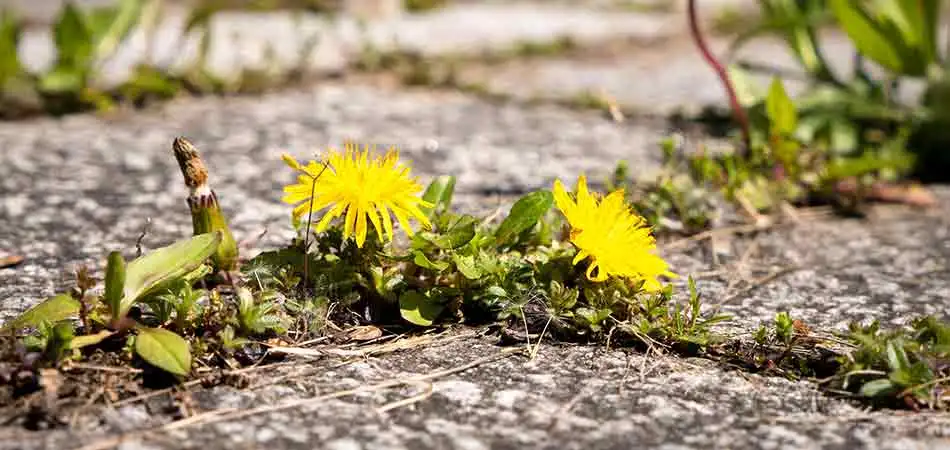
(426, 393)
(739, 229)
(197, 382)
(82, 366)
(10, 261)
(371, 350)
(754, 284)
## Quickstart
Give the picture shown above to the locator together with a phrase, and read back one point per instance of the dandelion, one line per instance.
(617, 241)
(358, 188)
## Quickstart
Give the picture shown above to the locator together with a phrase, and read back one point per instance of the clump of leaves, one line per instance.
(153, 279)
(464, 268)
(673, 200)
(86, 38)
(906, 367)
(858, 119)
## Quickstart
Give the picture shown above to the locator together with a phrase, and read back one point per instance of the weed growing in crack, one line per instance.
(573, 265)
(578, 264)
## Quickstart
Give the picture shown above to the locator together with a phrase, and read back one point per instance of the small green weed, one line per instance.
(904, 367)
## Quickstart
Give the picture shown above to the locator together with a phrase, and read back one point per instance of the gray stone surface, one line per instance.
(567, 397)
(73, 189)
(661, 77)
(76, 188)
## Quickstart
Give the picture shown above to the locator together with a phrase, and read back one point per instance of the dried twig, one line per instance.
(145, 230)
(739, 229)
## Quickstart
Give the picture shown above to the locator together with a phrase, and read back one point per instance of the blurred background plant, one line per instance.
(87, 38)
(859, 120)
(846, 136)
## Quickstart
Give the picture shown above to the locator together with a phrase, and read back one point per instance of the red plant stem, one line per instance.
(738, 112)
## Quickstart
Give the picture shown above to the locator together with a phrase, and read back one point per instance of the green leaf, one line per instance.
(466, 265)
(524, 214)
(421, 260)
(419, 309)
(150, 272)
(781, 110)
(90, 339)
(461, 233)
(10, 32)
(115, 283)
(163, 349)
(877, 388)
(930, 14)
(748, 92)
(496, 291)
(114, 26)
(59, 340)
(52, 310)
(439, 194)
(148, 80)
(896, 357)
(73, 38)
(63, 78)
(866, 34)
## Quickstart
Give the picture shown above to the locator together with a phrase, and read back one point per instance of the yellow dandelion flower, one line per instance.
(358, 188)
(617, 241)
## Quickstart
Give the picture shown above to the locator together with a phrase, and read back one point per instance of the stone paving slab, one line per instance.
(242, 39)
(570, 397)
(73, 189)
(662, 77)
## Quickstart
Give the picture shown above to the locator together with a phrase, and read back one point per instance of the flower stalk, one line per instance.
(206, 214)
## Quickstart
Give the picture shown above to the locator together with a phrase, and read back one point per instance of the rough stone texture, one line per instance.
(568, 397)
(660, 77)
(73, 189)
(76, 188)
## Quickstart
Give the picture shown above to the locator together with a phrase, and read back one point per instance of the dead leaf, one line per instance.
(908, 194)
(913, 195)
(364, 333)
(10, 261)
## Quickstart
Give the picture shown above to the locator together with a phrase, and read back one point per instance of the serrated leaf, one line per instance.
(524, 214)
(163, 349)
(781, 111)
(439, 194)
(150, 272)
(877, 388)
(52, 310)
(460, 234)
(467, 266)
(419, 309)
(421, 260)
